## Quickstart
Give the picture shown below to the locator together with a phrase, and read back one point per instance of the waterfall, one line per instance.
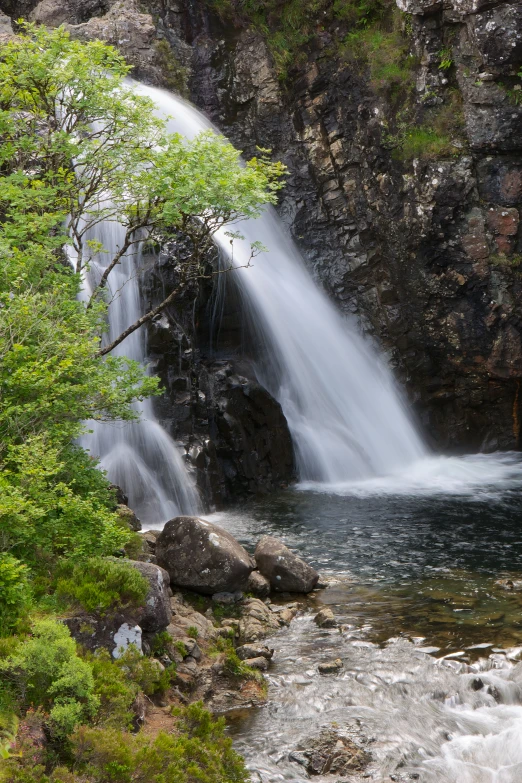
(138, 456)
(345, 414)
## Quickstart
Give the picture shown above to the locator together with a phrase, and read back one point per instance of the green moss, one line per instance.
(423, 143)
(174, 73)
(290, 26)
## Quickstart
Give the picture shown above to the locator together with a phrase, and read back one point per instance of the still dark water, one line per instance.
(431, 565)
(428, 599)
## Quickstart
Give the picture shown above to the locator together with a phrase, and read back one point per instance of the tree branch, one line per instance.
(143, 320)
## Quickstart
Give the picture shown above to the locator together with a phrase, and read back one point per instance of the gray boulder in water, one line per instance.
(202, 557)
(285, 571)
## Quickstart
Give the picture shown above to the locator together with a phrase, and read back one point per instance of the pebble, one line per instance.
(330, 666)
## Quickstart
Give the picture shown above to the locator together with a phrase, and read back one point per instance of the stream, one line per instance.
(430, 624)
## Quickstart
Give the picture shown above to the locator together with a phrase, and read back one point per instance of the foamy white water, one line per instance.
(481, 476)
(345, 413)
(139, 456)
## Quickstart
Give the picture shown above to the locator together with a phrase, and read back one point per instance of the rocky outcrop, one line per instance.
(331, 753)
(119, 628)
(418, 248)
(202, 557)
(285, 571)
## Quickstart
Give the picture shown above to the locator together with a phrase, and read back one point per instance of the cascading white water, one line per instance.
(346, 416)
(139, 456)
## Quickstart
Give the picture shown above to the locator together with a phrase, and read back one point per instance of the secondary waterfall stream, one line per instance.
(139, 456)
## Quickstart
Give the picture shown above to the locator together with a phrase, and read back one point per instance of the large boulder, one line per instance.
(285, 571)
(202, 557)
(157, 612)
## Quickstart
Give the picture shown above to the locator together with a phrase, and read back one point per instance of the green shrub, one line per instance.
(15, 592)
(55, 502)
(146, 673)
(161, 643)
(46, 672)
(196, 752)
(114, 689)
(192, 632)
(101, 584)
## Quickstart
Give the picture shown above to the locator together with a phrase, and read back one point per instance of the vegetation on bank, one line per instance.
(70, 132)
(375, 39)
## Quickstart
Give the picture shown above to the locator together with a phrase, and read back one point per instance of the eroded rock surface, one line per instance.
(331, 753)
(202, 557)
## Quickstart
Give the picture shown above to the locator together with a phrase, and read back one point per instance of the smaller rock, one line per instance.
(246, 651)
(192, 649)
(258, 585)
(228, 598)
(330, 667)
(260, 663)
(121, 497)
(149, 541)
(128, 517)
(299, 758)
(325, 619)
(284, 570)
(287, 615)
(6, 26)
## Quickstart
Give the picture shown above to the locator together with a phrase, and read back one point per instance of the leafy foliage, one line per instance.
(288, 27)
(15, 592)
(198, 752)
(46, 672)
(99, 584)
(54, 502)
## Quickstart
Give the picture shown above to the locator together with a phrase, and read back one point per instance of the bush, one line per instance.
(146, 673)
(46, 672)
(15, 592)
(54, 503)
(99, 585)
(114, 689)
(197, 752)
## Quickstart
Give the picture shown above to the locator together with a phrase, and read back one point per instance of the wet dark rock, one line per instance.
(284, 570)
(227, 599)
(331, 753)
(477, 684)
(246, 651)
(325, 619)
(260, 663)
(202, 557)
(128, 517)
(121, 497)
(258, 585)
(330, 667)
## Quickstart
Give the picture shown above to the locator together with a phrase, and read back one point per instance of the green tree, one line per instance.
(71, 134)
(71, 128)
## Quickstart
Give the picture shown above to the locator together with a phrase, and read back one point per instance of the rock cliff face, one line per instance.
(425, 250)
(420, 242)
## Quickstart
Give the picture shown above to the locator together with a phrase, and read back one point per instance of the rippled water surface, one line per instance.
(429, 562)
